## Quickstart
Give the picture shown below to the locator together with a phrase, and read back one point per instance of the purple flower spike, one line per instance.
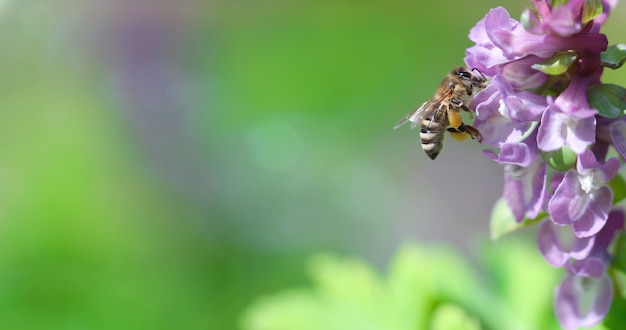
(558, 244)
(541, 69)
(582, 301)
(582, 199)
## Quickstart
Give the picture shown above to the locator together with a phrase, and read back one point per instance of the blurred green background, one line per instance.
(163, 163)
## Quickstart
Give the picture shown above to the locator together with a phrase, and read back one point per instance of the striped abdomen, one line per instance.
(432, 132)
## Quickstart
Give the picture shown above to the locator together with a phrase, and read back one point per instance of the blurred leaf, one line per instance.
(618, 185)
(502, 220)
(616, 319)
(427, 288)
(347, 295)
(527, 18)
(407, 277)
(619, 254)
(451, 317)
(591, 10)
(608, 99)
(555, 3)
(439, 281)
(614, 56)
(556, 64)
(561, 160)
(619, 278)
(523, 281)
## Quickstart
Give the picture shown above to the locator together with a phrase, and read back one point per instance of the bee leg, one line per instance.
(474, 133)
(456, 134)
(454, 117)
(471, 131)
(458, 130)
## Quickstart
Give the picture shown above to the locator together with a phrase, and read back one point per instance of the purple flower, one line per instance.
(597, 261)
(524, 177)
(521, 74)
(485, 55)
(504, 114)
(568, 120)
(541, 69)
(582, 199)
(584, 297)
(558, 244)
(500, 39)
(618, 136)
(582, 301)
(563, 20)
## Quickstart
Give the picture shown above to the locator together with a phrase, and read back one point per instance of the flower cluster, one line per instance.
(553, 142)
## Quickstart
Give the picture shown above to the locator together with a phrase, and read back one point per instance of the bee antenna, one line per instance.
(481, 74)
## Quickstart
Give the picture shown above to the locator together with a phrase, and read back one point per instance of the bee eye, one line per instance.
(465, 75)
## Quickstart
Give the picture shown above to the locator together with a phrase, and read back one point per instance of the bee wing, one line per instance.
(415, 116)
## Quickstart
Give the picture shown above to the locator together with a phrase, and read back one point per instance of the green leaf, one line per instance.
(615, 318)
(608, 99)
(560, 160)
(619, 278)
(556, 3)
(591, 10)
(528, 18)
(502, 220)
(451, 317)
(556, 64)
(528, 295)
(614, 56)
(618, 185)
(619, 253)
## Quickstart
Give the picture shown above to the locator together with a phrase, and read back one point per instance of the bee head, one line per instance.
(470, 79)
(465, 77)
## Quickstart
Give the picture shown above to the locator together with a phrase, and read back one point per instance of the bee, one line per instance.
(442, 112)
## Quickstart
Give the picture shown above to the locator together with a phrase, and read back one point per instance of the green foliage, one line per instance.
(426, 288)
(452, 317)
(619, 258)
(556, 64)
(502, 220)
(618, 185)
(555, 3)
(560, 160)
(608, 99)
(615, 318)
(614, 56)
(591, 10)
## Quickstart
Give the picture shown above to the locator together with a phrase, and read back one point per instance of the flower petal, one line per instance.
(618, 135)
(559, 205)
(558, 243)
(594, 213)
(550, 136)
(582, 301)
